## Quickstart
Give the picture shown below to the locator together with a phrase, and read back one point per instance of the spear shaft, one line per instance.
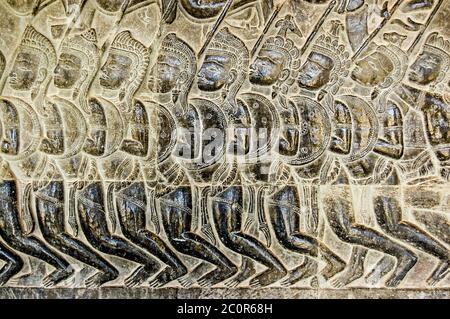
(317, 27)
(425, 26)
(266, 28)
(376, 31)
(216, 26)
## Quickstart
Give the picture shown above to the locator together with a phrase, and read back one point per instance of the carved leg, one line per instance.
(285, 218)
(389, 217)
(228, 220)
(94, 225)
(51, 222)
(340, 217)
(30, 245)
(13, 264)
(177, 225)
(133, 222)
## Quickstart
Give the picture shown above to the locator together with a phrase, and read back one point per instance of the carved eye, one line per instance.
(304, 150)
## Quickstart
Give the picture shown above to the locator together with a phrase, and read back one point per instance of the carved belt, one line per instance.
(232, 204)
(288, 205)
(90, 203)
(171, 203)
(132, 200)
(50, 199)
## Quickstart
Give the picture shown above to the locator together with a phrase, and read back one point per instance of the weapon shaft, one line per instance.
(425, 26)
(317, 27)
(376, 31)
(266, 28)
(216, 26)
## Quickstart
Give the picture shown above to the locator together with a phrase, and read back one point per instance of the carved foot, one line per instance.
(334, 266)
(165, 276)
(404, 265)
(307, 269)
(57, 276)
(138, 276)
(248, 270)
(99, 279)
(216, 276)
(381, 269)
(267, 277)
(441, 271)
(350, 274)
(194, 275)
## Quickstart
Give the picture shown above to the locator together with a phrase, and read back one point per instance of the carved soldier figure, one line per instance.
(13, 262)
(428, 70)
(73, 80)
(224, 70)
(383, 67)
(29, 76)
(276, 66)
(171, 78)
(323, 72)
(120, 77)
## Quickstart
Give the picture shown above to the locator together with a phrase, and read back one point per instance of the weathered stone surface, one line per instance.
(224, 149)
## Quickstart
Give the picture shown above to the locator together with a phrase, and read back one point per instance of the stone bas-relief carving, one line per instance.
(300, 148)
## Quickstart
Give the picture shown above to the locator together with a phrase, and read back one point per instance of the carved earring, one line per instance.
(275, 90)
(75, 93)
(175, 94)
(225, 91)
(122, 94)
(35, 89)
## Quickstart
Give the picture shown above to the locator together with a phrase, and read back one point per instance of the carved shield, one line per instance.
(114, 126)
(211, 138)
(314, 128)
(75, 127)
(364, 126)
(265, 124)
(167, 136)
(29, 127)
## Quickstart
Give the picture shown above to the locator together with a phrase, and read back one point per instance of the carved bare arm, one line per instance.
(95, 144)
(138, 143)
(289, 140)
(53, 143)
(341, 139)
(391, 144)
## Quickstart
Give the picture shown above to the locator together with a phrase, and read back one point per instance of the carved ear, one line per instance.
(285, 75)
(42, 74)
(387, 82)
(232, 76)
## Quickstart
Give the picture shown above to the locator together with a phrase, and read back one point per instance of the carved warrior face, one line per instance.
(373, 69)
(267, 68)
(164, 75)
(115, 71)
(25, 71)
(315, 72)
(67, 71)
(215, 72)
(426, 68)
